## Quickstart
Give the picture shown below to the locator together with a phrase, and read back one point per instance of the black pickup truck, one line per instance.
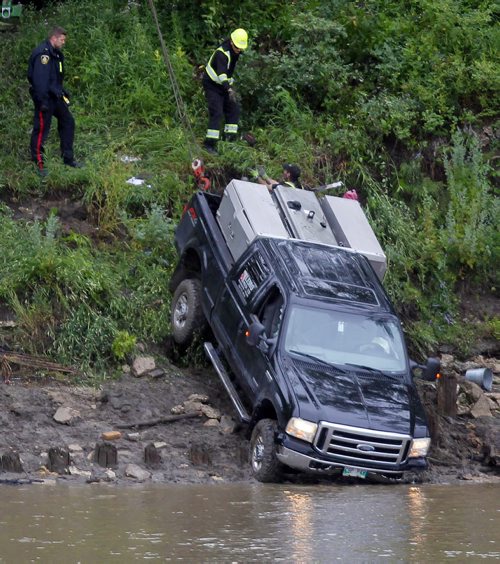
(307, 345)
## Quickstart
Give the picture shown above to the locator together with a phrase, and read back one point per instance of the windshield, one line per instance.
(340, 337)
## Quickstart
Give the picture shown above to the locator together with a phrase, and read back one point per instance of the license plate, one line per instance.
(354, 472)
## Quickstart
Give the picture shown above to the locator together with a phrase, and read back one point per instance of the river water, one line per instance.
(249, 523)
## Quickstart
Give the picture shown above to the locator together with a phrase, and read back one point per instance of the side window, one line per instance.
(251, 276)
(270, 313)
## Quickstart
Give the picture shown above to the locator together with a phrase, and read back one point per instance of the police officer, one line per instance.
(217, 83)
(46, 74)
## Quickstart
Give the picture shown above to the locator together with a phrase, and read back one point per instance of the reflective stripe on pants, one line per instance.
(221, 106)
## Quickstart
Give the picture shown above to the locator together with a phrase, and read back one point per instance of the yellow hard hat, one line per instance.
(240, 38)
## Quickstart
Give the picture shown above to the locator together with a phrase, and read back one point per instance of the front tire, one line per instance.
(187, 315)
(265, 464)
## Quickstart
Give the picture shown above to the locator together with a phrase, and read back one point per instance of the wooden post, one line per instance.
(10, 462)
(106, 455)
(447, 395)
(58, 460)
(152, 457)
(199, 454)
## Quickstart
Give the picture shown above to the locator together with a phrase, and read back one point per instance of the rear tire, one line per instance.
(265, 464)
(187, 316)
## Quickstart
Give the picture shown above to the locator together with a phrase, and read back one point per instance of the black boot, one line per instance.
(210, 146)
(73, 164)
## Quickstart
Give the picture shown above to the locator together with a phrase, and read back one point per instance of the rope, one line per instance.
(181, 107)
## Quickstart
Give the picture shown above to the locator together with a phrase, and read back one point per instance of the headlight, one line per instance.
(301, 429)
(419, 448)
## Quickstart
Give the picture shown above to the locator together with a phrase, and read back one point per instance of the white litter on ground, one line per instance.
(129, 159)
(136, 181)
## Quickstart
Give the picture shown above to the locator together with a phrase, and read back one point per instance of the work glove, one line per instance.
(253, 174)
(232, 95)
(262, 173)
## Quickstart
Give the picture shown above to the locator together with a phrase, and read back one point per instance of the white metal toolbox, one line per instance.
(303, 215)
(246, 211)
(351, 228)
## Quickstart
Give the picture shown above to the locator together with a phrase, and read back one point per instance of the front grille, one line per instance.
(356, 446)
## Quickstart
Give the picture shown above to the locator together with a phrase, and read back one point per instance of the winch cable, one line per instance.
(181, 107)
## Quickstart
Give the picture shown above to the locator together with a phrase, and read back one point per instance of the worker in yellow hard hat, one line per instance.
(219, 91)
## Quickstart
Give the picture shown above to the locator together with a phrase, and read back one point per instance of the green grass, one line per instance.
(395, 102)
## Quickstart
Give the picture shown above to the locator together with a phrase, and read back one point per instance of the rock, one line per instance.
(157, 373)
(110, 475)
(481, 408)
(211, 423)
(111, 435)
(192, 406)
(447, 360)
(210, 412)
(136, 472)
(66, 415)
(160, 444)
(471, 390)
(493, 404)
(126, 369)
(463, 409)
(198, 397)
(227, 425)
(75, 449)
(44, 472)
(492, 447)
(74, 471)
(177, 410)
(495, 397)
(117, 400)
(133, 437)
(142, 365)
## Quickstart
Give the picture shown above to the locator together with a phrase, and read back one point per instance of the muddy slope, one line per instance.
(44, 421)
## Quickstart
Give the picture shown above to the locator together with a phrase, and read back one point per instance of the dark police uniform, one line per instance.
(46, 74)
(217, 80)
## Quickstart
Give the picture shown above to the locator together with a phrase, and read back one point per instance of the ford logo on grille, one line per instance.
(365, 448)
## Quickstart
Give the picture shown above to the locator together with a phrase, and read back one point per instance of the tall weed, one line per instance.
(473, 212)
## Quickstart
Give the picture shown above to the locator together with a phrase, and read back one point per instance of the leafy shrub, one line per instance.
(472, 215)
(123, 344)
(369, 93)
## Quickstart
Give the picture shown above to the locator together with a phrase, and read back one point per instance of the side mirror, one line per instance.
(255, 333)
(430, 369)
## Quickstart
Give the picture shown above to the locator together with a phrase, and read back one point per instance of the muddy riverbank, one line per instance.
(53, 430)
